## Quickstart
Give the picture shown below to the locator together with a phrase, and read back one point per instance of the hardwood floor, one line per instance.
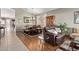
(35, 44)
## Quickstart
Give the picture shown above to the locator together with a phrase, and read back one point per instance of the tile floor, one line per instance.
(10, 42)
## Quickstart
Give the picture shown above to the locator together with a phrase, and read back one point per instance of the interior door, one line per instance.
(50, 20)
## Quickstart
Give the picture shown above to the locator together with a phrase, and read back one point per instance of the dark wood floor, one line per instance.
(34, 43)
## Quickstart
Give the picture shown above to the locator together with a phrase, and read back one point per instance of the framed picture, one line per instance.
(76, 17)
(26, 19)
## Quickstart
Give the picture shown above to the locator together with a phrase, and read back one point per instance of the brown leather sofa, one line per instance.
(34, 30)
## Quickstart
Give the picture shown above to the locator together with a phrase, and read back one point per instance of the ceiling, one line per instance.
(37, 11)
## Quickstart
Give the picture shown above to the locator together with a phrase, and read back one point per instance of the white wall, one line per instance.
(0, 12)
(0, 16)
(7, 12)
(64, 15)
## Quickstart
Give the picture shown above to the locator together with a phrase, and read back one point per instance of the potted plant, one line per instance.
(64, 28)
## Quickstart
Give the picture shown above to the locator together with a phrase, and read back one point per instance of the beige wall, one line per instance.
(41, 20)
(64, 15)
(20, 14)
(61, 15)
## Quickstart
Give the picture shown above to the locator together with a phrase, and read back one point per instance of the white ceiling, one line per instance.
(37, 11)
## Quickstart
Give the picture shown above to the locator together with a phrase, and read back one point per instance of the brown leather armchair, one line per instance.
(49, 37)
(52, 38)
